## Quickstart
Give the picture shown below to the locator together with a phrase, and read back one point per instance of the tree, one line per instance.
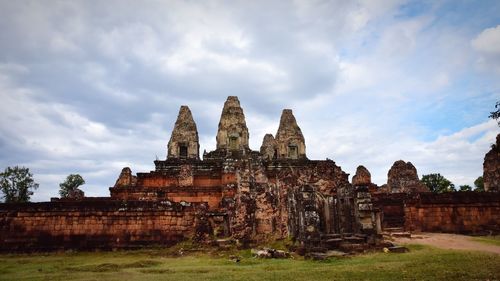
(479, 184)
(495, 115)
(465, 188)
(437, 183)
(17, 184)
(69, 188)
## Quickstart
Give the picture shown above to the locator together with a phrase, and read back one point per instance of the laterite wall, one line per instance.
(94, 224)
(457, 212)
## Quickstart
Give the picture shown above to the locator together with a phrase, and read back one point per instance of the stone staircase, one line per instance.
(396, 232)
(335, 245)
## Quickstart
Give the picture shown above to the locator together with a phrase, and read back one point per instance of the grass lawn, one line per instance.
(492, 240)
(421, 263)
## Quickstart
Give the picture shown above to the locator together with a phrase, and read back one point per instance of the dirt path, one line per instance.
(448, 241)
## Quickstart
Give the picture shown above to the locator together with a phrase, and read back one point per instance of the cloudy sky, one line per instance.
(89, 87)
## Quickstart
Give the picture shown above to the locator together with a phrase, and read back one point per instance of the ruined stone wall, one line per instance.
(297, 186)
(262, 206)
(454, 212)
(211, 196)
(457, 212)
(178, 181)
(491, 168)
(392, 208)
(88, 224)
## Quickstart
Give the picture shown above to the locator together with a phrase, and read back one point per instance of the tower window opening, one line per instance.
(233, 143)
(292, 152)
(183, 150)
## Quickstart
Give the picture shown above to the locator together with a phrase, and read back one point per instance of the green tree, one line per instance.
(17, 184)
(437, 183)
(69, 188)
(479, 184)
(465, 188)
(495, 115)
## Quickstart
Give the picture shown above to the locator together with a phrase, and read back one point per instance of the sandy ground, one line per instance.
(448, 241)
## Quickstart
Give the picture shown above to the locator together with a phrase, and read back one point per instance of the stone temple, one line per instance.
(237, 194)
(254, 195)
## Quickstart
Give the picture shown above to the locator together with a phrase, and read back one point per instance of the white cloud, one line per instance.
(487, 44)
(488, 41)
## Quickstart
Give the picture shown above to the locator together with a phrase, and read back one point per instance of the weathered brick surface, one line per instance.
(456, 212)
(93, 224)
(392, 208)
(459, 212)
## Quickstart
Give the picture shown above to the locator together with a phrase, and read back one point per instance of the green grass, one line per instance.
(492, 240)
(421, 263)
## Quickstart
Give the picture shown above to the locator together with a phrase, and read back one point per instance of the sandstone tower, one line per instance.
(403, 177)
(184, 143)
(232, 134)
(289, 139)
(362, 177)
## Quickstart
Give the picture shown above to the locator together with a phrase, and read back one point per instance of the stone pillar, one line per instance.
(365, 213)
(367, 217)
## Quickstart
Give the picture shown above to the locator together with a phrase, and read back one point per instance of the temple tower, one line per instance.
(403, 178)
(184, 143)
(232, 134)
(289, 139)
